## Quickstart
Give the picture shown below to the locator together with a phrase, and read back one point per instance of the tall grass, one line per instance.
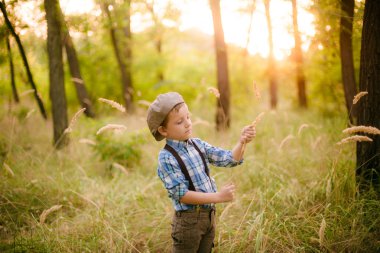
(298, 198)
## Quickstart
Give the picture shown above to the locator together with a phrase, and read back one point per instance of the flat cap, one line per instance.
(159, 109)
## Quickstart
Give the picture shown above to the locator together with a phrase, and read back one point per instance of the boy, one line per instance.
(183, 168)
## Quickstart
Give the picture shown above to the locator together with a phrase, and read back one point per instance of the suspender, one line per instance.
(183, 166)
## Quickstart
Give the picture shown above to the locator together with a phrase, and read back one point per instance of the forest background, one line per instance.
(297, 188)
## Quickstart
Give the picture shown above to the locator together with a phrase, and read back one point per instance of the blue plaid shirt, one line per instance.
(171, 175)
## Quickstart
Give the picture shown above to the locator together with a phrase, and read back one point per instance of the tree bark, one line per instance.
(368, 153)
(298, 58)
(74, 67)
(56, 75)
(346, 57)
(271, 61)
(11, 69)
(24, 59)
(124, 66)
(223, 104)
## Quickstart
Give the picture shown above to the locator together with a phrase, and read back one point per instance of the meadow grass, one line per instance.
(294, 194)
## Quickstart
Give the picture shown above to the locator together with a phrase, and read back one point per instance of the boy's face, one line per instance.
(178, 126)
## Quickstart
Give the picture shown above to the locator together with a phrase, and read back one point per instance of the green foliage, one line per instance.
(125, 151)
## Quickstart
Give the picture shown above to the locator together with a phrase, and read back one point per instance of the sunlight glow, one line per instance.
(196, 14)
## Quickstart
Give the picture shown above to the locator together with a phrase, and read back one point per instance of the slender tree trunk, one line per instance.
(24, 59)
(56, 75)
(74, 66)
(126, 80)
(272, 72)
(223, 105)
(298, 57)
(346, 57)
(128, 55)
(11, 69)
(368, 153)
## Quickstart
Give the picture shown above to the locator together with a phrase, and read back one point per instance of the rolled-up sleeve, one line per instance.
(170, 174)
(217, 156)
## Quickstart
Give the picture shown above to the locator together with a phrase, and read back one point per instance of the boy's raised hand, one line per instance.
(247, 134)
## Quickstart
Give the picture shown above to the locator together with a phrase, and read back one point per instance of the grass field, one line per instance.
(295, 191)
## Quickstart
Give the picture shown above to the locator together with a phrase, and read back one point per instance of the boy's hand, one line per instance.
(227, 193)
(247, 134)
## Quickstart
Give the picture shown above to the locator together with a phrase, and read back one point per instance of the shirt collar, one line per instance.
(178, 144)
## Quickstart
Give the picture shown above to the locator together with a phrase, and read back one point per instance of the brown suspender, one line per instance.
(183, 166)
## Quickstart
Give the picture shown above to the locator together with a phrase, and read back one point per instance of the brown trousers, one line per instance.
(193, 231)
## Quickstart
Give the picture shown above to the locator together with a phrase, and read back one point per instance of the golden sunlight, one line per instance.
(196, 14)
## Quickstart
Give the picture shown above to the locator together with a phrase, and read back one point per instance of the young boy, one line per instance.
(183, 168)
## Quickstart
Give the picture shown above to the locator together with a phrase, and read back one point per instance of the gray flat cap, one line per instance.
(159, 109)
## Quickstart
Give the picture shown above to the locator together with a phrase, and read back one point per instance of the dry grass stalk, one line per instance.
(253, 124)
(77, 80)
(257, 119)
(302, 127)
(358, 96)
(113, 104)
(111, 127)
(354, 138)
(121, 168)
(73, 120)
(144, 103)
(256, 90)
(321, 232)
(214, 91)
(362, 129)
(284, 141)
(87, 141)
(45, 213)
(30, 113)
(7, 168)
(26, 92)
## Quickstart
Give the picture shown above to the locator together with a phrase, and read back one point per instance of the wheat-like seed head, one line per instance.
(144, 103)
(284, 141)
(26, 92)
(355, 138)
(358, 96)
(256, 90)
(214, 91)
(121, 168)
(257, 119)
(69, 129)
(87, 141)
(111, 127)
(113, 104)
(302, 127)
(362, 129)
(45, 213)
(7, 168)
(321, 232)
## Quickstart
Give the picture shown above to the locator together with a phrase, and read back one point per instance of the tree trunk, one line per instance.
(126, 79)
(56, 75)
(271, 61)
(223, 105)
(11, 69)
(76, 76)
(298, 57)
(368, 153)
(346, 57)
(24, 59)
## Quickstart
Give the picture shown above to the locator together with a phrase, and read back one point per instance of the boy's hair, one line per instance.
(176, 109)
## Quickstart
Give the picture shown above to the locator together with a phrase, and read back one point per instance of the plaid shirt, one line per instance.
(174, 180)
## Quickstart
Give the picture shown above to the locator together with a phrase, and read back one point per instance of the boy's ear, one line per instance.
(162, 131)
